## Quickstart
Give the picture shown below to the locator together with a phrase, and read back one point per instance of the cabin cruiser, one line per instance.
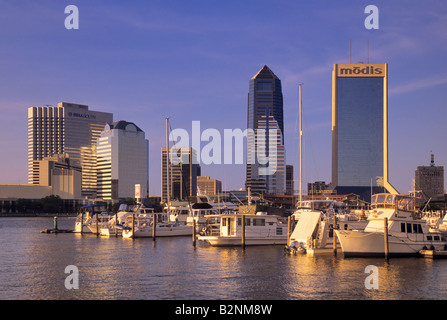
(406, 233)
(141, 226)
(115, 224)
(314, 230)
(86, 219)
(260, 229)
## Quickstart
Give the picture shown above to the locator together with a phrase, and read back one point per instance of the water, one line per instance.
(32, 267)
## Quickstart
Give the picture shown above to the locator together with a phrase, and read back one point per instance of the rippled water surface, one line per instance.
(32, 266)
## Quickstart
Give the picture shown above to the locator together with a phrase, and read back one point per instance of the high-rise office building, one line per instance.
(208, 186)
(183, 173)
(122, 161)
(70, 129)
(265, 138)
(430, 179)
(360, 129)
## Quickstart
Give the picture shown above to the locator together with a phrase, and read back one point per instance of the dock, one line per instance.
(433, 254)
(56, 231)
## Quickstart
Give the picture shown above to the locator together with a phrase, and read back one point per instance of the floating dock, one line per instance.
(433, 254)
(56, 231)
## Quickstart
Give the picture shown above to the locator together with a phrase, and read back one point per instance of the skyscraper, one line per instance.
(265, 137)
(70, 129)
(360, 129)
(183, 175)
(122, 161)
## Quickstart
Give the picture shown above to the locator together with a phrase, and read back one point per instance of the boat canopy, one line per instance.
(393, 201)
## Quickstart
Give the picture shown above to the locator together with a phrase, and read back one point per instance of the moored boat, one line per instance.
(405, 234)
(260, 229)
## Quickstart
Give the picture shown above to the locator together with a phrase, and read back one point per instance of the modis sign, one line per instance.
(360, 70)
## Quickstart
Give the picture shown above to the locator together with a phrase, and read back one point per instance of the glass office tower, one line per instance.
(360, 129)
(265, 114)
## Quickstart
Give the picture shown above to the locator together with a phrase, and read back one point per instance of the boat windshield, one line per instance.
(400, 202)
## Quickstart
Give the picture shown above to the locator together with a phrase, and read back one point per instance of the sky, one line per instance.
(192, 61)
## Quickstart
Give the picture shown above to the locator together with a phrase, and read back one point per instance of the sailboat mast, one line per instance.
(168, 185)
(301, 145)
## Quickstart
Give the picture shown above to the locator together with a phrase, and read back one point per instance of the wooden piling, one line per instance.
(133, 225)
(334, 235)
(97, 224)
(116, 221)
(82, 222)
(194, 233)
(385, 234)
(289, 228)
(243, 231)
(154, 227)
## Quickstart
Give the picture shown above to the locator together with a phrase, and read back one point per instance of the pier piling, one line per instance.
(154, 227)
(334, 236)
(243, 231)
(194, 233)
(385, 234)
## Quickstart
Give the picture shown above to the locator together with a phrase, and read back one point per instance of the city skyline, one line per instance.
(192, 62)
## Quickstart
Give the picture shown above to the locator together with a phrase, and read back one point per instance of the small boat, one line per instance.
(314, 231)
(405, 233)
(143, 227)
(114, 225)
(260, 229)
(87, 216)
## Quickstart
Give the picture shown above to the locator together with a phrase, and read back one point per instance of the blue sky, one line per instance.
(192, 60)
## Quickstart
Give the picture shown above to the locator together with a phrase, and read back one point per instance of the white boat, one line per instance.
(114, 225)
(143, 227)
(199, 213)
(260, 229)
(407, 234)
(86, 215)
(314, 231)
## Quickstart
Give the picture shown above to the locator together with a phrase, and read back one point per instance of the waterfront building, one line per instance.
(265, 116)
(208, 186)
(70, 129)
(318, 188)
(122, 161)
(57, 172)
(360, 129)
(430, 179)
(183, 173)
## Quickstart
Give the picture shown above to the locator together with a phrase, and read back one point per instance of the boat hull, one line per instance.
(159, 232)
(358, 243)
(219, 241)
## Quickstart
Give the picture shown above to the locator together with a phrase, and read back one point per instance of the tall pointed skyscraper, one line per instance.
(265, 139)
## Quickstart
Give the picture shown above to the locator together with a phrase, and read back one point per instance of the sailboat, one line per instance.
(316, 218)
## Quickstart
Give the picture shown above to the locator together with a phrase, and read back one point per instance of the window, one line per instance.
(259, 222)
(402, 227)
(409, 227)
(415, 228)
(278, 231)
(429, 238)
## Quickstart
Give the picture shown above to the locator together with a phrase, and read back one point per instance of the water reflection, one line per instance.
(33, 265)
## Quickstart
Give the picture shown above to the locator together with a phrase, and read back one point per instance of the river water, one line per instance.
(32, 267)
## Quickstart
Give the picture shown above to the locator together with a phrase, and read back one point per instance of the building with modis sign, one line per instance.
(360, 129)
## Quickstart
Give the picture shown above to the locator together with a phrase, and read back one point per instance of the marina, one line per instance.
(172, 269)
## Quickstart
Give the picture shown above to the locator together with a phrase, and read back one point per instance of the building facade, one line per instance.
(265, 138)
(122, 161)
(70, 129)
(183, 172)
(207, 186)
(360, 129)
(430, 179)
